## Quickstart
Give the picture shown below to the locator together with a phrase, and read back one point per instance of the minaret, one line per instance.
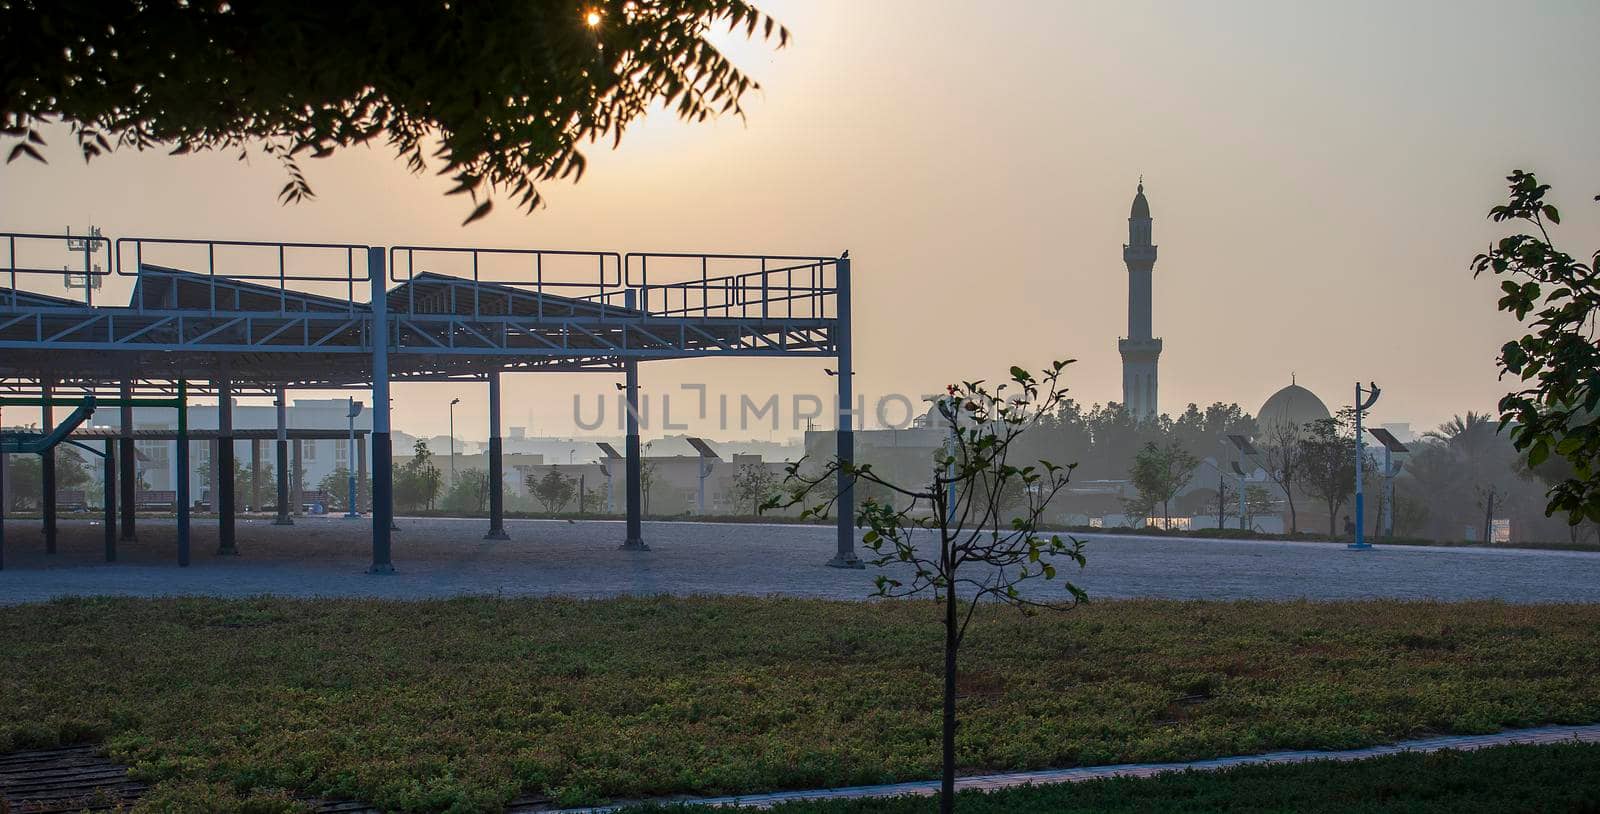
(1140, 350)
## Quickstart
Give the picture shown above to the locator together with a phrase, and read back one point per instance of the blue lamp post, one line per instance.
(1372, 393)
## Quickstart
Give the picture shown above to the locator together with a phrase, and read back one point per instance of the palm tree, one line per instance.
(1484, 457)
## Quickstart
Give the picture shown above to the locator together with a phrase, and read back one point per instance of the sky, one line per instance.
(1319, 175)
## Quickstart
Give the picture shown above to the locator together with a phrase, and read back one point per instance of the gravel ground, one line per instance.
(327, 556)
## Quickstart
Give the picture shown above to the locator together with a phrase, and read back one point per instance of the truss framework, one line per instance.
(243, 318)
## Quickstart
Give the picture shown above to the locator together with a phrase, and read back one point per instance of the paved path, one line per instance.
(990, 782)
(437, 558)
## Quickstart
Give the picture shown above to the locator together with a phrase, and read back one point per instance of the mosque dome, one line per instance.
(1141, 207)
(1292, 406)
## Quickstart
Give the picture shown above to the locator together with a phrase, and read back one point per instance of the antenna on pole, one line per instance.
(89, 277)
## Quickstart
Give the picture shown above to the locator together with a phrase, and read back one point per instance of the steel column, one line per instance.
(497, 487)
(255, 474)
(1388, 493)
(222, 469)
(382, 451)
(128, 462)
(110, 522)
(5, 466)
(297, 479)
(283, 518)
(361, 470)
(634, 541)
(845, 556)
(47, 469)
(182, 479)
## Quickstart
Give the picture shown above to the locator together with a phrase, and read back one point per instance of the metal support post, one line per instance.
(634, 468)
(255, 474)
(182, 479)
(110, 521)
(700, 490)
(128, 462)
(1360, 542)
(361, 471)
(5, 466)
(47, 469)
(297, 478)
(1388, 492)
(222, 471)
(211, 475)
(497, 481)
(283, 518)
(382, 451)
(845, 556)
(350, 461)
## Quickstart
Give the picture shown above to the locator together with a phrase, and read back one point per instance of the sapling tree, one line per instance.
(1284, 459)
(754, 483)
(553, 491)
(1328, 469)
(1160, 472)
(954, 536)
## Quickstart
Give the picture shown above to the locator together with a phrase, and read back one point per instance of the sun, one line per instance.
(592, 18)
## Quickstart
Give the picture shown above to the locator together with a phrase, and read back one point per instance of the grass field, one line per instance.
(1509, 778)
(461, 705)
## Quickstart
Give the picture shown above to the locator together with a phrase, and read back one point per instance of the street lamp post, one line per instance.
(350, 456)
(1372, 393)
(453, 403)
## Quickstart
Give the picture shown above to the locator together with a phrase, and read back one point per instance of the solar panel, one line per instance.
(1387, 439)
(702, 447)
(1243, 444)
(608, 450)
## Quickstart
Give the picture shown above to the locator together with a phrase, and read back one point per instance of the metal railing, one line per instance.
(753, 287)
(295, 279)
(544, 276)
(87, 246)
(266, 265)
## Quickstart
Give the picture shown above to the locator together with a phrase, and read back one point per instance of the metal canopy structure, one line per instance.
(228, 318)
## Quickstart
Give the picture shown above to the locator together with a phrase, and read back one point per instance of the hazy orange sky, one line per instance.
(1318, 174)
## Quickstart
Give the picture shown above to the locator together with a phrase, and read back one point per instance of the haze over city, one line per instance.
(367, 447)
(1318, 178)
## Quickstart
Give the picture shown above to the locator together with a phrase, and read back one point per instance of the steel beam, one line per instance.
(128, 461)
(497, 485)
(182, 479)
(5, 467)
(283, 518)
(845, 556)
(222, 467)
(297, 479)
(255, 474)
(47, 470)
(110, 522)
(634, 541)
(382, 450)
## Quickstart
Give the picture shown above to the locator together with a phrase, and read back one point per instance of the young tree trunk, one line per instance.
(1222, 502)
(947, 784)
(1294, 518)
(1488, 518)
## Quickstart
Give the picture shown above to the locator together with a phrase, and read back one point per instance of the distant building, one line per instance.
(1292, 407)
(318, 459)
